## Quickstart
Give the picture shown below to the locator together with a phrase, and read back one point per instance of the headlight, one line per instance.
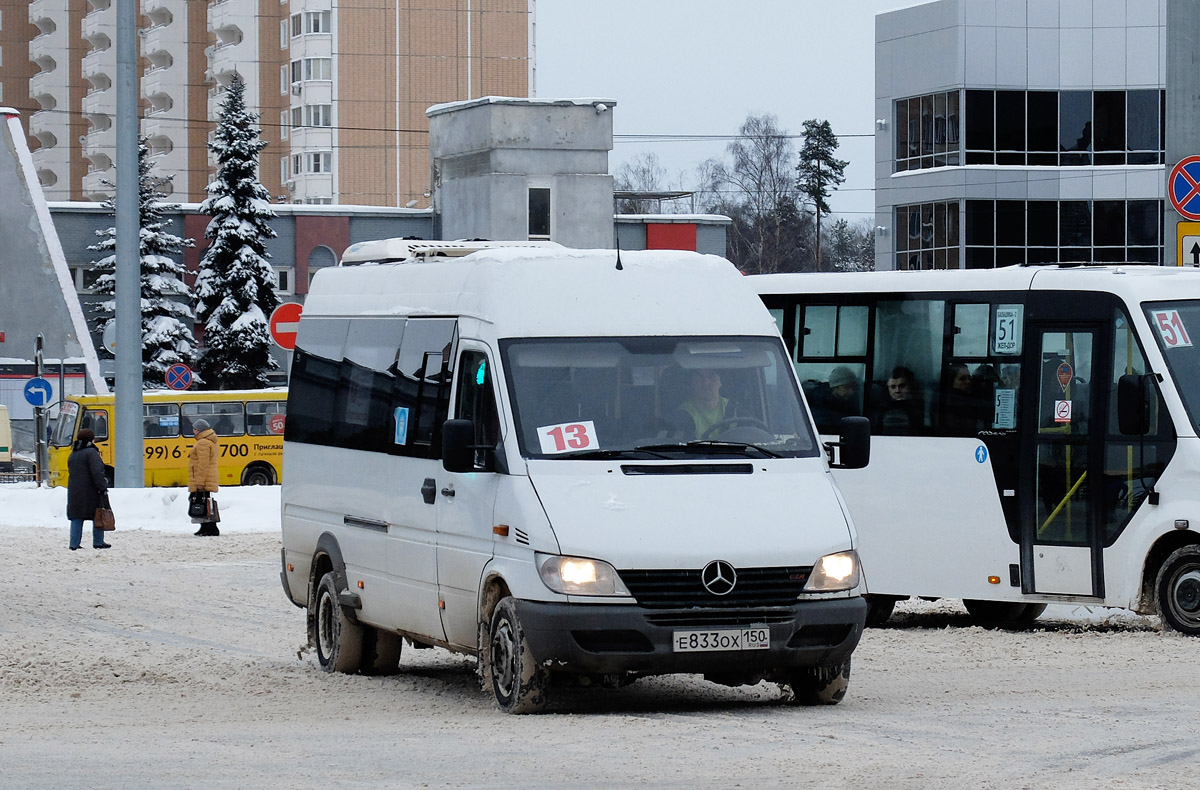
(579, 576)
(834, 572)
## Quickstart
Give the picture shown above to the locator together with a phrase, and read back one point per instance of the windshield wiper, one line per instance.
(635, 453)
(703, 445)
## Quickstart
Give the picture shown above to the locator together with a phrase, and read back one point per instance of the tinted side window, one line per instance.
(420, 399)
(312, 389)
(264, 418)
(366, 375)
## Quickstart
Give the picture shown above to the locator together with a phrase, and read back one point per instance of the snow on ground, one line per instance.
(175, 661)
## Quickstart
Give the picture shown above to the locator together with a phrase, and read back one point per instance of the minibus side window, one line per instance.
(97, 420)
(420, 399)
(313, 384)
(160, 420)
(362, 414)
(476, 402)
(907, 358)
(831, 350)
(259, 414)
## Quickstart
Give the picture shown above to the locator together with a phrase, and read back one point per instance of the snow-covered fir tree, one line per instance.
(167, 317)
(235, 287)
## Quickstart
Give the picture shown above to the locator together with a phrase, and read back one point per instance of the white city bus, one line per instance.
(1034, 431)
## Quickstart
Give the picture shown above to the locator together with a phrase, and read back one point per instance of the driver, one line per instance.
(704, 407)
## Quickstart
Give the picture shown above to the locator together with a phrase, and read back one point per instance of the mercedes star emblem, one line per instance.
(718, 577)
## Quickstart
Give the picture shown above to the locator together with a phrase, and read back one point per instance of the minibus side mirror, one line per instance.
(458, 446)
(1133, 405)
(853, 446)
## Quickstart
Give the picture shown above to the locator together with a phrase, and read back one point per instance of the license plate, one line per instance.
(722, 639)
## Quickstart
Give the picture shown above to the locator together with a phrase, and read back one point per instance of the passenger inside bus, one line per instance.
(840, 397)
(900, 410)
(961, 401)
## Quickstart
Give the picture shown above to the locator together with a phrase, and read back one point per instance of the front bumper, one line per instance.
(611, 639)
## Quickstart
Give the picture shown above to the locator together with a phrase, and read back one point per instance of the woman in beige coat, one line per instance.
(203, 475)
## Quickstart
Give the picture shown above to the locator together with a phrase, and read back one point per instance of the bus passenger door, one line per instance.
(1063, 457)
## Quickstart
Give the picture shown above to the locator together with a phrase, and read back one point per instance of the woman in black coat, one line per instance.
(86, 484)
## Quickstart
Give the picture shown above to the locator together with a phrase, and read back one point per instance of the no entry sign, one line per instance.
(285, 320)
(179, 376)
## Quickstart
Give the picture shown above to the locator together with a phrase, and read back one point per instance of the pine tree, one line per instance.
(167, 317)
(819, 169)
(235, 287)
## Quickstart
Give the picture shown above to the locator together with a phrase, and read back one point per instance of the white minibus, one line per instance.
(1034, 431)
(577, 466)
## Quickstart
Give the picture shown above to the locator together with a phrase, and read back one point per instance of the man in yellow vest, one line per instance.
(705, 405)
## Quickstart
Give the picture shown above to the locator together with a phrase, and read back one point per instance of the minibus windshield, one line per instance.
(656, 397)
(1176, 325)
(64, 428)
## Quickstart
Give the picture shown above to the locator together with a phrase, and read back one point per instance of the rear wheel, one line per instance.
(820, 685)
(1177, 591)
(518, 682)
(258, 475)
(338, 640)
(380, 652)
(991, 614)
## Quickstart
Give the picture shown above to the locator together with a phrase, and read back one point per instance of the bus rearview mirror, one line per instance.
(853, 446)
(1133, 405)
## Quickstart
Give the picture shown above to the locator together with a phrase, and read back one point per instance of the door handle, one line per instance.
(429, 490)
(448, 490)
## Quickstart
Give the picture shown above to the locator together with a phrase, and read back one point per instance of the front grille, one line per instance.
(707, 618)
(676, 589)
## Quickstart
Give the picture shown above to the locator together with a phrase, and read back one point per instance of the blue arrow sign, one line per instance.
(38, 392)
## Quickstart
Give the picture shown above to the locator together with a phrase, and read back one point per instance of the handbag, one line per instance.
(198, 506)
(105, 519)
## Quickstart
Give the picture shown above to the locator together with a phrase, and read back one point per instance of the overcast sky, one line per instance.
(699, 67)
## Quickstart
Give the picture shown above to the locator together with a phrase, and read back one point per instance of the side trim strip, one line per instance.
(365, 523)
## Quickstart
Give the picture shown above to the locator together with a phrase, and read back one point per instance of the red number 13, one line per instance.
(574, 437)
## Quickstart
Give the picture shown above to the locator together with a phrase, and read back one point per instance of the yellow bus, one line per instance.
(249, 425)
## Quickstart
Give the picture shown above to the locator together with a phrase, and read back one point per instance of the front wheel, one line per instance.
(1177, 591)
(879, 609)
(820, 685)
(518, 681)
(338, 640)
(992, 614)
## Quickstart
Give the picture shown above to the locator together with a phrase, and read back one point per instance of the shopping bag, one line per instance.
(198, 506)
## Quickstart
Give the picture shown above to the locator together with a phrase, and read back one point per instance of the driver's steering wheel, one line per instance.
(731, 422)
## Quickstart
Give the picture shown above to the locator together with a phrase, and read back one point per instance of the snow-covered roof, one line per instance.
(438, 109)
(548, 293)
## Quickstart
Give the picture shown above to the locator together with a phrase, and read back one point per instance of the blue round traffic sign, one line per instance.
(38, 392)
(1183, 187)
(179, 376)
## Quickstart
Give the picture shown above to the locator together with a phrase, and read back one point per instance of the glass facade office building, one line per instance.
(1015, 131)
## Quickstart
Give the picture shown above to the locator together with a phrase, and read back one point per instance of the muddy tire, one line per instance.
(1001, 614)
(820, 685)
(1177, 591)
(879, 609)
(339, 641)
(380, 652)
(518, 682)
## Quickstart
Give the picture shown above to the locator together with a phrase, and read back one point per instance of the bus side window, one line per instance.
(97, 420)
(160, 420)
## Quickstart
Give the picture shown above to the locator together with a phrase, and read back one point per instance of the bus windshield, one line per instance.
(656, 397)
(1173, 323)
(64, 428)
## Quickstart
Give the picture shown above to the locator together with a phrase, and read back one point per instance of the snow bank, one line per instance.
(243, 509)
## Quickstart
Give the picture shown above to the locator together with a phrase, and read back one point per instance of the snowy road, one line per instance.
(173, 661)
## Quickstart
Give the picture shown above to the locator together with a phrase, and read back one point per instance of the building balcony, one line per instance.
(49, 127)
(163, 131)
(164, 86)
(94, 188)
(99, 102)
(98, 27)
(100, 146)
(45, 10)
(160, 12)
(99, 62)
(160, 41)
(48, 88)
(228, 20)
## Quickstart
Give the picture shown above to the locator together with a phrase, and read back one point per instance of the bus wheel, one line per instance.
(380, 652)
(998, 614)
(1177, 591)
(258, 475)
(879, 608)
(820, 685)
(518, 681)
(110, 476)
(338, 640)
